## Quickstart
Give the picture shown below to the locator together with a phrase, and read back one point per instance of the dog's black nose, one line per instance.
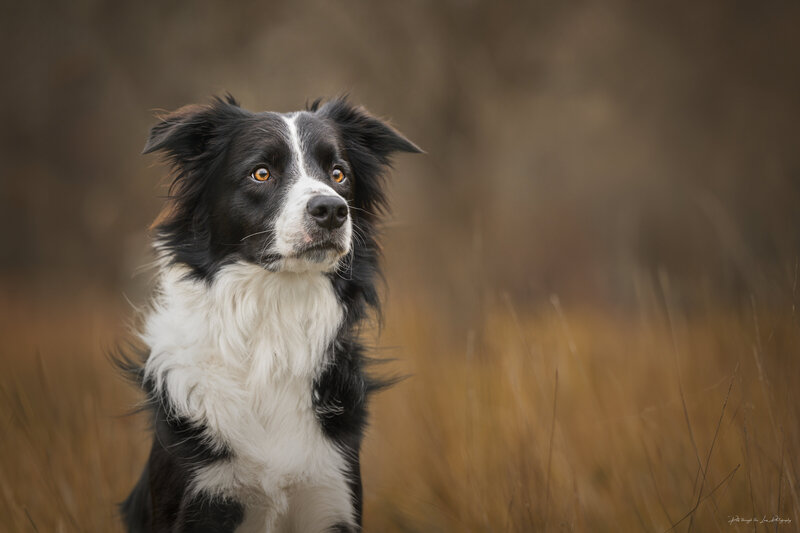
(328, 212)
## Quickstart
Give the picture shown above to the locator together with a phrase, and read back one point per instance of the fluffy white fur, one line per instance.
(239, 356)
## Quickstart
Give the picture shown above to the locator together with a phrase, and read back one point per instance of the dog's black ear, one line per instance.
(364, 133)
(369, 142)
(186, 133)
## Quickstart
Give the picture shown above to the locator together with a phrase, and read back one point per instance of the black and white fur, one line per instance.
(252, 367)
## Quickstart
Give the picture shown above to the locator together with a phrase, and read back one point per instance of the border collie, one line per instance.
(252, 366)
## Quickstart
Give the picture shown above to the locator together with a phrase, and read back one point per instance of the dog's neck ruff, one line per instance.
(238, 357)
(270, 324)
(241, 352)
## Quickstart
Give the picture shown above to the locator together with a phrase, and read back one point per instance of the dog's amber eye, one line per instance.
(337, 175)
(260, 174)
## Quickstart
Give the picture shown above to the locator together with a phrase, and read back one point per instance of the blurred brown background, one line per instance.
(614, 158)
(570, 146)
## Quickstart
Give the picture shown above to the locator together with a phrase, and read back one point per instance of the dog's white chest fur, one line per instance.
(239, 356)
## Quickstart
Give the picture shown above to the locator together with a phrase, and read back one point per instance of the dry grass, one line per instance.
(548, 419)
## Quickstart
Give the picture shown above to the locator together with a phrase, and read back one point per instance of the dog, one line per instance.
(251, 364)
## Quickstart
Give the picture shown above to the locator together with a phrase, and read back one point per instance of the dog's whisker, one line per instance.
(351, 206)
(254, 234)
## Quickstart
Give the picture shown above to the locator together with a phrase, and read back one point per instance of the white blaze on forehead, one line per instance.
(294, 139)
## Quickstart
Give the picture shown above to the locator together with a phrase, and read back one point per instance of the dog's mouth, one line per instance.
(321, 253)
(319, 248)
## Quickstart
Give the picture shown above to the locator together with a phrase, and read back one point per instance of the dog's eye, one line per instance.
(260, 174)
(338, 175)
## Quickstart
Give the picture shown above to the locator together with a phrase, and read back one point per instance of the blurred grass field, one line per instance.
(549, 418)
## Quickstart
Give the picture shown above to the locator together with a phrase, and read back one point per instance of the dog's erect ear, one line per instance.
(186, 133)
(369, 143)
(364, 133)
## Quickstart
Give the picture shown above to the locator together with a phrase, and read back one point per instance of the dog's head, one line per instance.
(290, 192)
